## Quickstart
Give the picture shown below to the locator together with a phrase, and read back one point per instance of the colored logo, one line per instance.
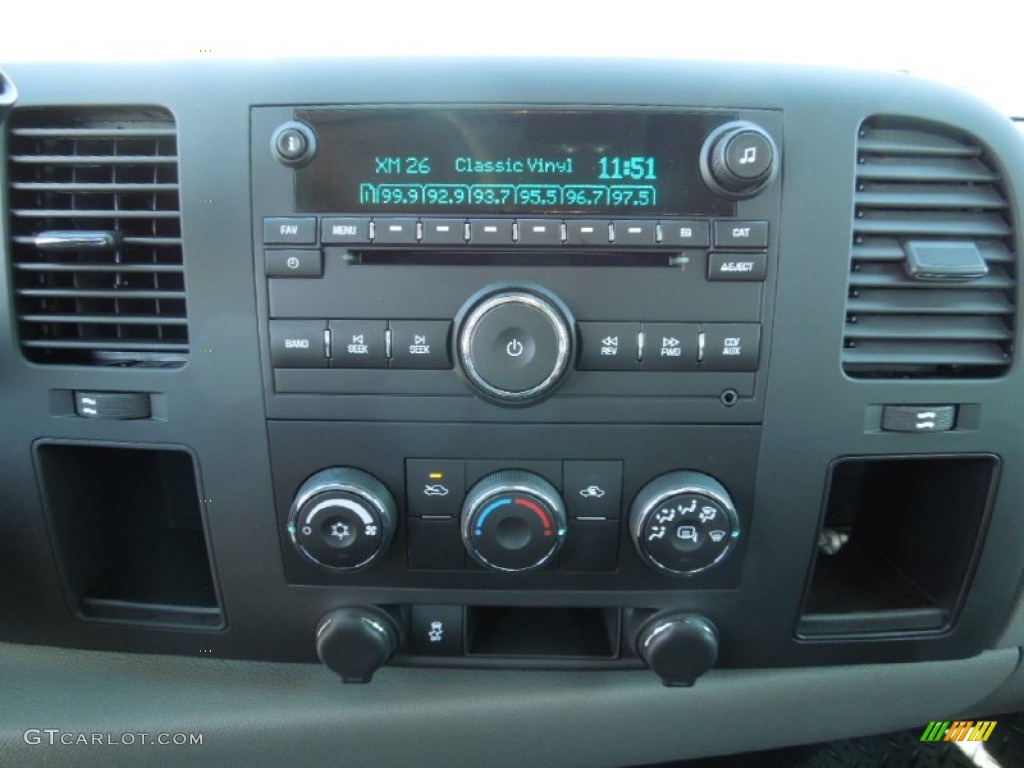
(959, 730)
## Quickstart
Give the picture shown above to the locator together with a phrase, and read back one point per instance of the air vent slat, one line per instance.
(894, 276)
(927, 224)
(938, 302)
(93, 133)
(926, 328)
(73, 213)
(925, 169)
(76, 293)
(80, 266)
(44, 186)
(106, 344)
(81, 173)
(929, 196)
(87, 319)
(926, 354)
(909, 143)
(91, 160)
(925, 195)
(147, 241)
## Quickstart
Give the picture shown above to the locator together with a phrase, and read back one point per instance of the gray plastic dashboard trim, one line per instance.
(256, 714)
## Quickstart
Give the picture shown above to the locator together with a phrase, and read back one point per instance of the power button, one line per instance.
(514, 346)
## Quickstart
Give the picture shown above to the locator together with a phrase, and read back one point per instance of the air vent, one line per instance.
(98, 274)
(933, 269)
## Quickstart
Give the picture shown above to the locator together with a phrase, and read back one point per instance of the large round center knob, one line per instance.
(514, 345)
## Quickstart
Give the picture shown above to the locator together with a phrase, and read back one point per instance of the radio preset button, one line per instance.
(749, 267)
(609, 346)
(741, 234)
(444, 231)
(686, 233)
(635, 232)
(296, 231)
(358, 344)
(587, 232)
(490, 231)
(298, 343)
(420, 344)
(670, 346)
(389, 231)
(540, 232)
(344, 231)
(731, 347)
(294, 263)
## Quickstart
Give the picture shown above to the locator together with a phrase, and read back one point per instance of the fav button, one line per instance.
(299, 231)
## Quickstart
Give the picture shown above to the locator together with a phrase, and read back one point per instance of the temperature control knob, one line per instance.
(513, 521)
(683, 522)
(738, 160)
(342, 519)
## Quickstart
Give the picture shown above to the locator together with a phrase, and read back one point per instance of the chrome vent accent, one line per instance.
(97, 262)
(922, 187)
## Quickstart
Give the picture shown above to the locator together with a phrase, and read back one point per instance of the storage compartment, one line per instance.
(898, 543)
(542, 632)
(129, 534)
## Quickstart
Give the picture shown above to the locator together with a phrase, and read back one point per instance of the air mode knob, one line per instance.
(738, 160)
(513, 521)
(342, 519)
(683, 522)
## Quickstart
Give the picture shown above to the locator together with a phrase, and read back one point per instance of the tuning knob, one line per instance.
(342, 519)
(678, 647)
(356, 642)
(738, 160)
(683, 522)
(513, 521)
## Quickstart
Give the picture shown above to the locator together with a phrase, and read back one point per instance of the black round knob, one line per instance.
(514, 345)
(738, 160)
(356, 642)
(513, 521)
(683, 523)
(678, 647)
(293, 144)
(342, 519)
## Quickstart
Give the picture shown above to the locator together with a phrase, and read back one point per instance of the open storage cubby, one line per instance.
(908, 530)
(129, 536)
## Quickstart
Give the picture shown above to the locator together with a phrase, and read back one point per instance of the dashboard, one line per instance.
(685, 390)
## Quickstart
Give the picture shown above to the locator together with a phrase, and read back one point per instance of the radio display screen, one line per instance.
(615, 162)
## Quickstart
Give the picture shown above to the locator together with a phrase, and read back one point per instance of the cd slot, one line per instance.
(515, 258)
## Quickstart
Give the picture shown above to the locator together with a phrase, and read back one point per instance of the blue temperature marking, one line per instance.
(490, 508)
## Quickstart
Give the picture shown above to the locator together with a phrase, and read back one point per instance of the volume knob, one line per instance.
(738, 160)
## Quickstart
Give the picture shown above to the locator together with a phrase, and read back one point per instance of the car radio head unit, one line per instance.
(508, 161)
